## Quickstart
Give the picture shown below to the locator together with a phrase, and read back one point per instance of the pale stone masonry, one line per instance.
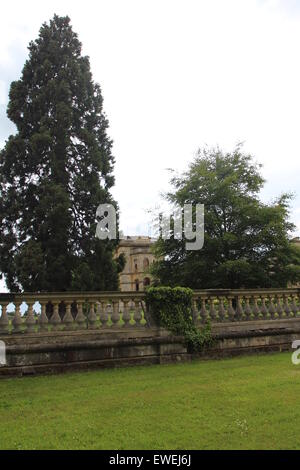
(79, 336)
(137, 250)
(75, 311)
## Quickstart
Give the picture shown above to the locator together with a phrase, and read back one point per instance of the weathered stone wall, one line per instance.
(55, 352)
(78, 330)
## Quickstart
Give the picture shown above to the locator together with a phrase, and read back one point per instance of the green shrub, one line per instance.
(172, 309)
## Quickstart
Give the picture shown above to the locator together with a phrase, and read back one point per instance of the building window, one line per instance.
(146, 282)
(137, 285)
(136, 265)
(146, 264)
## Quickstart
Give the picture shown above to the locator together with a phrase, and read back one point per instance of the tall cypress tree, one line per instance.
(55, 172)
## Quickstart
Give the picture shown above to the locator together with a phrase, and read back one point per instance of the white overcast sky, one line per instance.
(175, 75)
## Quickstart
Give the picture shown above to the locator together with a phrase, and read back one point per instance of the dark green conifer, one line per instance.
(55, 171)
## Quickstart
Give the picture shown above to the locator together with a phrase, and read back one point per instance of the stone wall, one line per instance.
(78, 331)
(86, 350)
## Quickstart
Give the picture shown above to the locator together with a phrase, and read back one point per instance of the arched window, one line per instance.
(136, 265)
(137, 285)
(146, 264)
(146, 282)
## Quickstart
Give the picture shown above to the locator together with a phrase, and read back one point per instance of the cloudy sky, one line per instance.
(176, 75)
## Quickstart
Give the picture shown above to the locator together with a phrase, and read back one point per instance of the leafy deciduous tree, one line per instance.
(246, 242)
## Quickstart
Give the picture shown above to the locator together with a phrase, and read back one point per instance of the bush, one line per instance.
(172, 309)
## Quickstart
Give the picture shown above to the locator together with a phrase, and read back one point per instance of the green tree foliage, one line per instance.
(55, 171)
(246, 242)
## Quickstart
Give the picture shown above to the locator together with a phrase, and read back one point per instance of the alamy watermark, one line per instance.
(2, 354)
(296, 354)
(186, 222)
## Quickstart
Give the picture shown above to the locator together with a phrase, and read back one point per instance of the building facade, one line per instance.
(138, 255)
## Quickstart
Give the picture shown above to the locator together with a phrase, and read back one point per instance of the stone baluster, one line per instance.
(259, 306)
(221, 312)
(115, 317)
(4, 321)
(294, 307)
(104, 314)
(109, 310)
(80, 318)
(231, 311)
(279, 308)
(17, 320)
(286, 308)
(98, 309)
(126, 314)
(264, 308)
(255, 307)
(146, 314)
(43, 320)
(137, 313)
(92, 317)
(195, 312)
(30, 320)
(203, 311)
(239, 308)
(212, 310)
(248, 310)
(272, 308)
(68, 320)
(55, 319)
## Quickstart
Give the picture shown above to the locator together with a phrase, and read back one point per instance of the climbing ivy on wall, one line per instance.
(172, 309)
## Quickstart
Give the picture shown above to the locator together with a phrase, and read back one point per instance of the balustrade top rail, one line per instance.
(241, 292)
(49, 296)
(67, 311)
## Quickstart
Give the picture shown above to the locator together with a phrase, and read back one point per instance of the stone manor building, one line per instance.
(137, 251)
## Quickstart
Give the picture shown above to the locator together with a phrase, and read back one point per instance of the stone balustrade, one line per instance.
(43, 312)
(229, 305)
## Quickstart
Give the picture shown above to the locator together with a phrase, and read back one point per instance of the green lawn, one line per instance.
(242, 403)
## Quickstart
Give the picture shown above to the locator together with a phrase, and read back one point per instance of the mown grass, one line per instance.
(242, 403)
